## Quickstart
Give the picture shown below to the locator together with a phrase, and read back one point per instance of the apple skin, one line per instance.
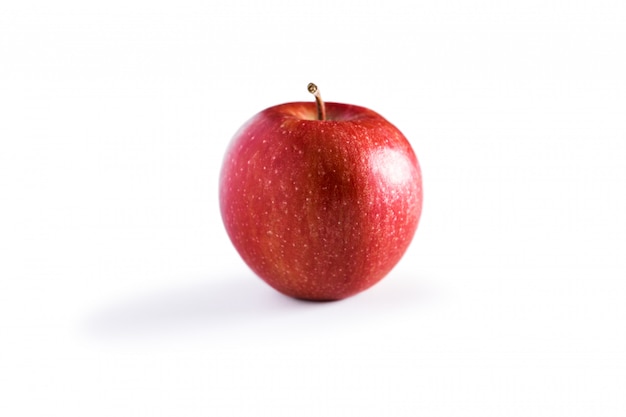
(320, 209)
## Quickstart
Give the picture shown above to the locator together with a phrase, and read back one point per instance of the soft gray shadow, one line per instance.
(210, 305)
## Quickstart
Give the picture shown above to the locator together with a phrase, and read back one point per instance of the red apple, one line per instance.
(321, 201)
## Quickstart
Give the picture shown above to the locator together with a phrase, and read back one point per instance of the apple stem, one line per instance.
(321, 109)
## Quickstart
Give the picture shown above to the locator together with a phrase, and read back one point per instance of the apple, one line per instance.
(321, 200)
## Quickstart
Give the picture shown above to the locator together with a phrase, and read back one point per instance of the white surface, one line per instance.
(120, 293)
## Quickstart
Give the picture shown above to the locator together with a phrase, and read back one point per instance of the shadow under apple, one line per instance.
(208, 306)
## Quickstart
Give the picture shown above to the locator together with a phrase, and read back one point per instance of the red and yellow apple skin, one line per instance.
(320, 209)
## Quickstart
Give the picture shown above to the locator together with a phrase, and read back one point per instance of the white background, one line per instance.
(121, 295)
